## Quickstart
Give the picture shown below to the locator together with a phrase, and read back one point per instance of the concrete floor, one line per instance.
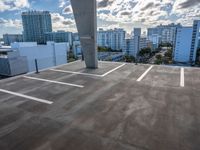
(114, 112)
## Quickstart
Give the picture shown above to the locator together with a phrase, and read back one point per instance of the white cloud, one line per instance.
(123, 13)
(68, 10)
(11, 23)
(21, 3)
(62, 3)
(3, 6)
(149, 12)
(59, 22)
(13, 5)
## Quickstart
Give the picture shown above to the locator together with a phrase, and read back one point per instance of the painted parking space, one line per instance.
(192, 79)
(36, 89)
(53, 81)
(26, 96)
(144, 74)
(162, 76)
(93, 74)
(105, 108)
(104, 69)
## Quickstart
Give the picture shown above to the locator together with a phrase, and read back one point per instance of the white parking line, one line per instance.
(105, 74)
(109, 62)
(144, 74)
(52, 81)
(182, 80)
(26, 96)
(80, 73)
(88, 74)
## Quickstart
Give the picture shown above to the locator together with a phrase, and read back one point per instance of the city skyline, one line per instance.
(120, 14)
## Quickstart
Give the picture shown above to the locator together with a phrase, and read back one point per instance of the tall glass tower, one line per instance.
(35, 25)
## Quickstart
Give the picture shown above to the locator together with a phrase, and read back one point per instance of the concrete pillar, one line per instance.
(86, 21)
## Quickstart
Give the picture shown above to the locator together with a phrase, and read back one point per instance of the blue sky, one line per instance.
(125, 14)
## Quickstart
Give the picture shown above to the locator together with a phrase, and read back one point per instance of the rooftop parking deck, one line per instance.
(116, 107)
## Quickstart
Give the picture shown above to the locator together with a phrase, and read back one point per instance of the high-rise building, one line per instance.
(187, 43)
(136, 37)
(136, 43)
(59, 36)
(75, 37)
(77, 49)
(195, 40)
(164, 33)
(114, 39)
(35, 25)
(10, 38)
(143, 43)
(155, 39)
(183, 45)
(137, 32)
(130, 48)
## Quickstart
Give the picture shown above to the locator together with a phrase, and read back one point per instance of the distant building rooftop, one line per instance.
(34, 12)
(2, 46)
(6, 50)
(117, 107)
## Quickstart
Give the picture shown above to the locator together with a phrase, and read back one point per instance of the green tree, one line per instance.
(107, 49)
(159, 56)
(102, 49)
(129, 58)
(71, 57)
(168, 56)
(169, 53)
(159, 59)
(167, 44)
(110, 49)
(145, 52)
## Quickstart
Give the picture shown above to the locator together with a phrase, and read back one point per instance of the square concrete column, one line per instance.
(85, 14)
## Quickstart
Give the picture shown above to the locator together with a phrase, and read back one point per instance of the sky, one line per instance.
(125, 14)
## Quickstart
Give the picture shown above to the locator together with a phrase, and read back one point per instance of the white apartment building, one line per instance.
(10, 38)
(163, 34)
(187, 43)
(49, 55)
(183, 45)
(136, 37)
(136, 43)
(130, 47)
(59, 37)
(143, 43)
(114, 39)
(168, 34)
(195, 40)
(155, 39)
(137, 32)
(77, 50)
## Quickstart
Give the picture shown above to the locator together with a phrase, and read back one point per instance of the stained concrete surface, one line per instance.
(114, 112)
